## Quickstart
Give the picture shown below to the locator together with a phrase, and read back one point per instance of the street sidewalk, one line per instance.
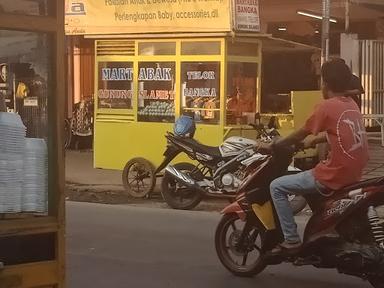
(86, 184)
(375, 167)
(79, 170)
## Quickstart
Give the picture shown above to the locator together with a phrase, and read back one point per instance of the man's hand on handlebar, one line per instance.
(309, 142)
(294, 140)
(264, 147)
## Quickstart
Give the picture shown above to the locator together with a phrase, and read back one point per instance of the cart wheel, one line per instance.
(139, 177)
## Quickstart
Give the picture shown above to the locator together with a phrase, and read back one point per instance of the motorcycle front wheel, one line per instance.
(241, 259)
(178, 196)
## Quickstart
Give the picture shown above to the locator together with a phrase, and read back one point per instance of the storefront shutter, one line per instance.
(123, 47)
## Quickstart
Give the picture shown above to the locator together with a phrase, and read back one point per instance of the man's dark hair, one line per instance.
(337, 75)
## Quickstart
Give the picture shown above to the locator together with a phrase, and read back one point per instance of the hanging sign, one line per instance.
(31, 102)
(146, 16)
(247, 16)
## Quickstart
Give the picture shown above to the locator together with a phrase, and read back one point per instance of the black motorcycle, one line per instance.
(219, 172)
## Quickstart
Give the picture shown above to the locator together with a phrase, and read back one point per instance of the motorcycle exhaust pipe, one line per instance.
(183, 178)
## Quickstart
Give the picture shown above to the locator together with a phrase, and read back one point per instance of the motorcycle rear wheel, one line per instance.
(227, 251)
(181, 198)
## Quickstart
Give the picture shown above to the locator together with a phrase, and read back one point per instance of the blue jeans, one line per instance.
(299, 184)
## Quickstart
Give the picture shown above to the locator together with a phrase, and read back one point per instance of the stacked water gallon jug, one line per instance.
(12, 145)
(23, 168)
(35, 184)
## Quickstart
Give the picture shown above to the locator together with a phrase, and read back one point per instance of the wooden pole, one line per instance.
(3, 107)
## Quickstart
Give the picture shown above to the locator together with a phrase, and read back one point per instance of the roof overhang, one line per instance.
(286, 10)
(270, 44)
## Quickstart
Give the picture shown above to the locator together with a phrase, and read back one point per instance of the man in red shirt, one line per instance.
(338, 121)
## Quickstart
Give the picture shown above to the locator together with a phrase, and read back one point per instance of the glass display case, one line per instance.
(26, 84)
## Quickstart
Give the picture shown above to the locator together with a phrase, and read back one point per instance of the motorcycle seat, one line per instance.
(358, 185)
(315, 200)
(198, 147)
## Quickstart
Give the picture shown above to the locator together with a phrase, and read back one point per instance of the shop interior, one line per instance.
(24, 78)
(286, 72)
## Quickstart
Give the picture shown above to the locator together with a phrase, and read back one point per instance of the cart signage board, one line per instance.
(247, 16)
(115, 85)
(86, 17)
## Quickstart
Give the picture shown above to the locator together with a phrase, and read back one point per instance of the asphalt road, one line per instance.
(124, 246)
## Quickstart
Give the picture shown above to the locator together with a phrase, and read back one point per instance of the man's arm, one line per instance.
(293, 138)
(311, 142)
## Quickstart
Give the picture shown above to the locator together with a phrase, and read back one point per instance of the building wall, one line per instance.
(80, 55)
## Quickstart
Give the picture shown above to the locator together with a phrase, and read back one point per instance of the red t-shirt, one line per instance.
(341, 119)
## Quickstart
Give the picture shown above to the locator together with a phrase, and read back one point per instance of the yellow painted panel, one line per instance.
(117, 143)
(265, 215)
(303, 103)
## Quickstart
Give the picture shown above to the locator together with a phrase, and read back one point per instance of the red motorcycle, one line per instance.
(345, 232)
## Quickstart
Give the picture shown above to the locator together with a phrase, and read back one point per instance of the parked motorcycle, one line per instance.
(346, 230)
(219, 172)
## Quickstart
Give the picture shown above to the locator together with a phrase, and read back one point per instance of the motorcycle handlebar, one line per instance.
(271, 149)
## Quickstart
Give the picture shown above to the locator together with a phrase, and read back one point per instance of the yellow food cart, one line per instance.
(32, 92)
(143, 85)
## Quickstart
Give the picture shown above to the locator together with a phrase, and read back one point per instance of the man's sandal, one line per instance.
(286, 248)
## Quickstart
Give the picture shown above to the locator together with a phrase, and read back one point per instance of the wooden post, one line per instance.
(3, 107)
